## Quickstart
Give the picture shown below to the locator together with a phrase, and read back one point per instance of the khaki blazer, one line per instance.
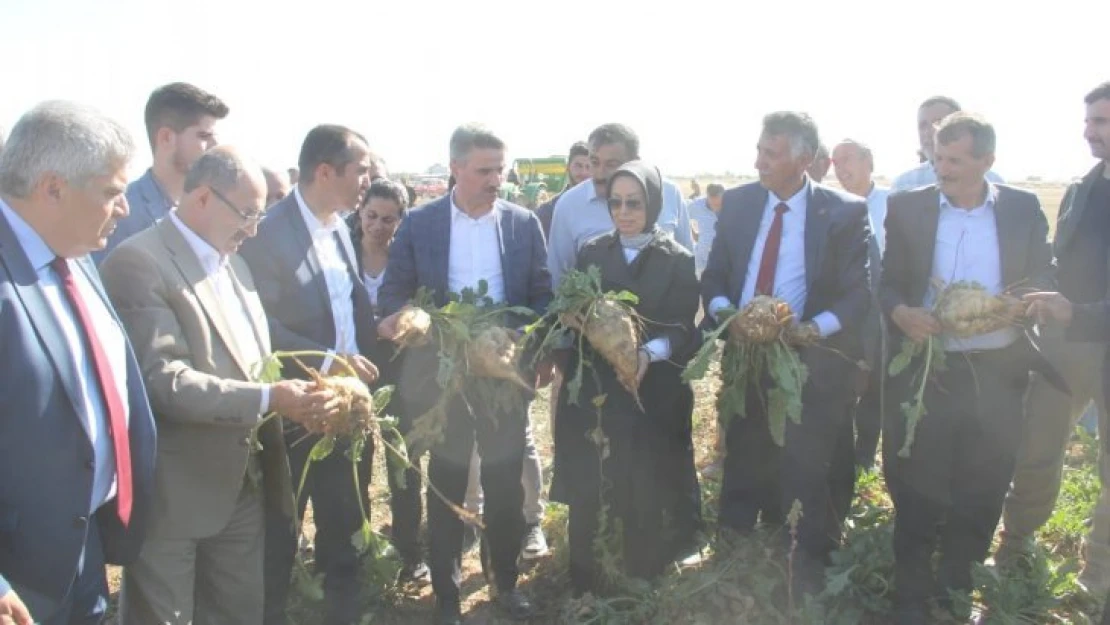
(197, 380)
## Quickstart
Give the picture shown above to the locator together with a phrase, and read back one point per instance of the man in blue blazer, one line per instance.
(305, 269)
(181, 121)
(807, 244)
(453, 243)
(77, 438)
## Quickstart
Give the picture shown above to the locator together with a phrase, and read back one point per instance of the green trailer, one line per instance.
(540, 178)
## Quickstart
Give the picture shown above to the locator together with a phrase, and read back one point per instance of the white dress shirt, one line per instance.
(234, 310)
(657, 348)
(90, 400)
(475, 253)
(967, 249)
(326, 241)
(876, 212)
(373, 285)
(790, 272)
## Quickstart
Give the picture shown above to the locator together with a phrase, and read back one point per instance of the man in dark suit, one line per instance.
(1082, 276)
(794, 239)
(446, 246)
(962, 458)
(181, 122)
(77, 439)
(305, 270)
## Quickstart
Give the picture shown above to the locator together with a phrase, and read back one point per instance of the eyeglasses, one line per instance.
(252, 217)
(633, 204)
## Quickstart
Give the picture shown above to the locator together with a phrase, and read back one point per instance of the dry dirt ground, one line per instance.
(544, 579)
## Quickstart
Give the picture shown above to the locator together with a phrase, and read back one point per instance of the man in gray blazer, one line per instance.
(189, 306)
(181, 124)
(305, 268)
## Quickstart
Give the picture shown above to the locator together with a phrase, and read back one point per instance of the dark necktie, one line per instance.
(117, 419)
(765, 281)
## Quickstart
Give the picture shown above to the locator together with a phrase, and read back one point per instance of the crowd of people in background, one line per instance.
(135, 316)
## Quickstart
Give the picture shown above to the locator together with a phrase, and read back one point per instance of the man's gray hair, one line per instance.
(956, 125)
(1, 138)
(798, 127)
(473, 136)
(219, 169)
(71, 140)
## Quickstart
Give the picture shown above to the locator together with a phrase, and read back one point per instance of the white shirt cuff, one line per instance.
(326, 365)
(827, 324)
(658, 349)
(264, 406)
(717, 304)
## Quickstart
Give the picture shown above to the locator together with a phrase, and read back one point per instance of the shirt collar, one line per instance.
(796, 202)
(315, 226)
(457, 213)
(988, 203)
(38, 252)
(210, 258)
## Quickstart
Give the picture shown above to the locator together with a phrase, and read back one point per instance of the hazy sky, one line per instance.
(692, 78)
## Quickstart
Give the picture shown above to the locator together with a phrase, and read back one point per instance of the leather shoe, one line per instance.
(445, 615)
(515, 604)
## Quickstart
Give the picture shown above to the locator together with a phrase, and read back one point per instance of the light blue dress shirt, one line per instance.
(967, 249)
(706, 219)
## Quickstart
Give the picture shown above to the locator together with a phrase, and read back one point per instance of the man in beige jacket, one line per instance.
(189, 305)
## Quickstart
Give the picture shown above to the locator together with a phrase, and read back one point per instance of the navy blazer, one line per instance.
(836, 248)
(146, 206)
(46, 459)
(421, 251)
(293, 289)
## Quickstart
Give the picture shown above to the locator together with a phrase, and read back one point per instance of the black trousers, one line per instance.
(682, 508)
(337, 516)
(762, 478)
(405, 503)
(952, 486)
(501, 447)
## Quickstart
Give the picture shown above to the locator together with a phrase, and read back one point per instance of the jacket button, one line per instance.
(246, 442)
(80, 521)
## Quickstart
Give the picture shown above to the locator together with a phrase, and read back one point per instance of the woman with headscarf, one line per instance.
(630, 481)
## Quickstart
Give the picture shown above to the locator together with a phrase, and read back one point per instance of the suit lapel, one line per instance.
(1069, 220)
(187, 264)
(505, 232)
(238, 267)
(1012, 242)
(817, 233)
(27, 287)
(927, 226)
(749, 218)
(440, 231)
(302, 240)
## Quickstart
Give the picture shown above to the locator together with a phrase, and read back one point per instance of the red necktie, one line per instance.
(765, 281)
(117, 420)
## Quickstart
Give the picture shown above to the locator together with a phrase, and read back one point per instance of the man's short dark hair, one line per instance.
(714, 189)
(942, 99)
(386, 189)
(608, 134)
(179, 105)
(1101, 92)
(957, 124)
(798, 127)
(328, 143)
(578, 149)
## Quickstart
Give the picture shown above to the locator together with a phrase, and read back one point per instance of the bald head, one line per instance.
(854, 165)
(277, 185)
(225, 196)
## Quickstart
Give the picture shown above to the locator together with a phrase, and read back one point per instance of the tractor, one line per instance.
(537, 180)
